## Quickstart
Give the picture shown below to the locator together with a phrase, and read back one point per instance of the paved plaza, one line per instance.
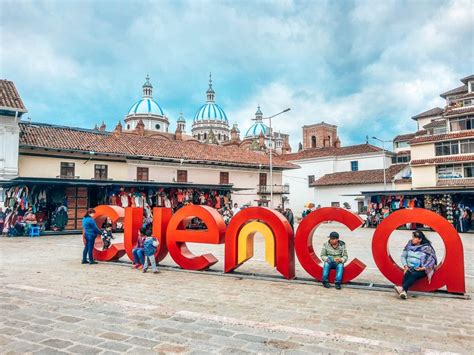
(50, 303)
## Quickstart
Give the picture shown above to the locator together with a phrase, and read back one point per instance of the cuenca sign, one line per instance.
(281, 244)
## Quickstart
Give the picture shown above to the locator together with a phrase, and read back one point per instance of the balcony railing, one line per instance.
(277, 189)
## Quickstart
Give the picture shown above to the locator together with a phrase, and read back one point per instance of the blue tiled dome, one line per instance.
(256, 129)
(146, 106)
(211, 111)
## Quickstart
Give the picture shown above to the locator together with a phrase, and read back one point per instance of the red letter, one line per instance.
(282, 234)
(304, 242)
(161, 218)
(115, 251)
(450, 272)
(132, 224)
(177, 236)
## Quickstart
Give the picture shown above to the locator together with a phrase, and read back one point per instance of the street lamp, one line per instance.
(271, 151)
(383, 161)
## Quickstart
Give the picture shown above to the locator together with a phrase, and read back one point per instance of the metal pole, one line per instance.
(383, 162)
(271, 164)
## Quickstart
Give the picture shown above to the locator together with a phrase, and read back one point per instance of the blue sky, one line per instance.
(367, 66)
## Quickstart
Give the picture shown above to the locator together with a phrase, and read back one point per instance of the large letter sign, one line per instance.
(450, 272)
(278, 239)
(178, 235)
(304, 242)
(116, 251)
(280, 246)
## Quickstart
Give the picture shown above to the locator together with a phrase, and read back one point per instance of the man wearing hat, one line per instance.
(334, 255)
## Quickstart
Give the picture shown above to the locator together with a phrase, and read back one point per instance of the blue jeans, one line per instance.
(138, 256)
(88, 249)
(333, 265)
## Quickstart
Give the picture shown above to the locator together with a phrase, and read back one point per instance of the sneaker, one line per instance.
(403, 295)
(398, 290)
(326, 284)
(338, 286)
(145, 269)
(139, 267)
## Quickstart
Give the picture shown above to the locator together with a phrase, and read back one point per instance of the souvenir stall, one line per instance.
(454, 205)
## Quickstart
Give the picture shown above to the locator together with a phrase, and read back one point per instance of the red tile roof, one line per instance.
(331, 151)
(9, 97)
(360, 177)
(404, 137)
(459, 90)
(132, 145)
(442, 137)
(436, 123)
(452, 112)
(444, 159)
(437, 111)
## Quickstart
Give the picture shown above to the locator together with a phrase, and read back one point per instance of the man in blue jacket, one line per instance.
(90, 231)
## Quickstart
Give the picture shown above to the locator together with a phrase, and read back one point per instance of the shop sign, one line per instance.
(281, 244)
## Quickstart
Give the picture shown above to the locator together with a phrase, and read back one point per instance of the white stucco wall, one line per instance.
(423, 151)
(9, 138)
(423, 176)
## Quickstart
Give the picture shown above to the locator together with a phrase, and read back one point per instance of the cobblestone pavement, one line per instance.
(50, 303)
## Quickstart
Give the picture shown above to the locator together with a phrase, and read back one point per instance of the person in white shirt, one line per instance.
(236, 209)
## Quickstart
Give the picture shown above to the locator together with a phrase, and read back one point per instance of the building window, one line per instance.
(467, 146)
(262, 179)
(224, 177)
(354, 165)
(219, 136)
(469, 170)
(205, 135)
(447, 148)
(462, 124)
(313, 141)
(310, 179)
(67, 170)
(100, 172)
(361, 208)
(182, 176)
(128, 126)
(142, 174)
(449, 171)
(402, 144)
(400, 159)
(157, 126)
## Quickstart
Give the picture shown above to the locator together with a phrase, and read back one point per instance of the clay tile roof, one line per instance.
(459, 90)
(131, 145)
(437, 111)
(452, 112)
(442, 137)
(467, 78)
(9, 97)
(359, 177)
(445, 159)
(331, 151)
(434, 124)
(404, 137)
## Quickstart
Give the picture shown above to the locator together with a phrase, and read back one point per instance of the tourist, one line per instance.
(418, 260)
(90, 231)
(149, 248)
(29, 218)
(290, 217)
(107, 236)
(138, 252)
(334, 255)
(236, 209)
(3, 217)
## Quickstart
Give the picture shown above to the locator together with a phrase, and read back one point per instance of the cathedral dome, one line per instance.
(258, 127)
(146, 106)
(211, 111)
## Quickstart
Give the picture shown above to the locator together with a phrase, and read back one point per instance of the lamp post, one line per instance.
(383, 161)
(271, 151)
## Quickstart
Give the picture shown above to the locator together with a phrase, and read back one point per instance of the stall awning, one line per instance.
(113, 183)
(418, 192)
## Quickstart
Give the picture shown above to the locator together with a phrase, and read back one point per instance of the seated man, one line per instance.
(334, 255)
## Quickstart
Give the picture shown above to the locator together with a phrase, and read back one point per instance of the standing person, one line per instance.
(3, 217)
(149, 249)
(334, 255)
(418, 260)
(290, 217)
(236, 209)
(90, 231)
(139, 252)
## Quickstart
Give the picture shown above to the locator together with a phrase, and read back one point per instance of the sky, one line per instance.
(366, 66)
